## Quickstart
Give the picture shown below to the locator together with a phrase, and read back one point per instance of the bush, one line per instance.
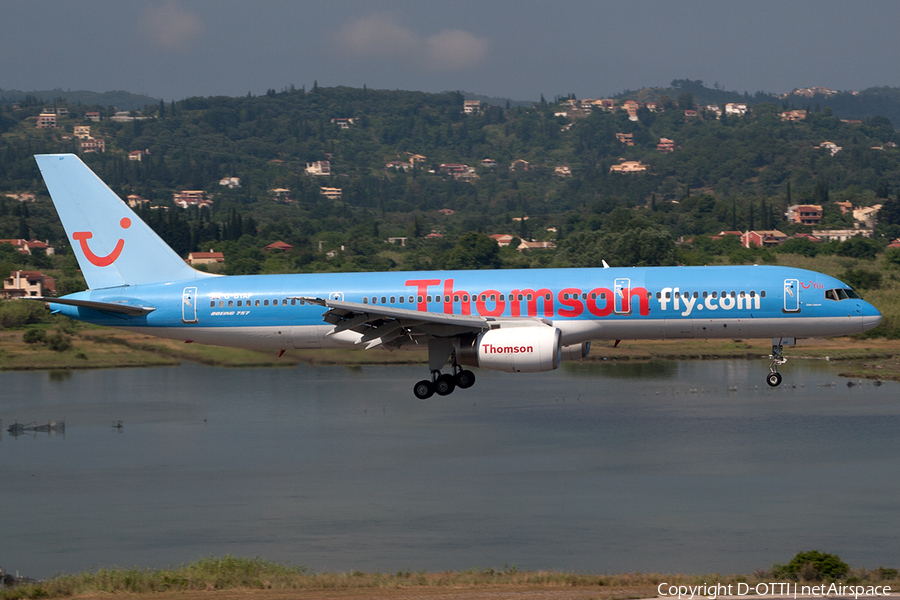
(812, 565)
(892, 257)
(59, 342)
(15, 314)
(861, 279)
(33, 336)
(859, 247)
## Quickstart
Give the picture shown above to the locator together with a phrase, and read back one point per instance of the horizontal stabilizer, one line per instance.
(117, 307)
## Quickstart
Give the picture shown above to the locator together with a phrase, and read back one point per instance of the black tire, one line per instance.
(423, 389)
(465, 379)
(444, 385)
(774, 379)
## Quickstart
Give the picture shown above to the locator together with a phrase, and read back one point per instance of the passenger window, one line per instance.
(284, 302)
(420, 299)
(705, 294)
(696, 295)
(529, 296)
(374, 299)
(493, 297)
(365, 299)
(293, 301)
(762, 294)
(256, 303)
(456, 298)
(565, 297)
(230, 303)
(668, 295)
(429, 298)
(212, 304)
(393, 299)
(265, 302)
(446, 298)
(752, 294)
(239, 303)
(715, 295)
(465, 297)
(402, 298)
(221, 303)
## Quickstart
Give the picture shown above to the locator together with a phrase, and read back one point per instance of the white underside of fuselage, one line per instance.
(311, 337)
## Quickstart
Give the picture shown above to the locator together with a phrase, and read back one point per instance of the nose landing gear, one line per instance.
(778, 359)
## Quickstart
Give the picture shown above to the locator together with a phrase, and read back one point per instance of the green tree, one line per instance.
(820, 564)
(472, 251)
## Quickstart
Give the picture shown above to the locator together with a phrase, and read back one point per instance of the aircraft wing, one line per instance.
(393, 327)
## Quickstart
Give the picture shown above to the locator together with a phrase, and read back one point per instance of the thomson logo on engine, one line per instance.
(492, 349)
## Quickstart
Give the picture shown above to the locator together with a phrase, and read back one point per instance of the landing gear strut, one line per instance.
(778, 359)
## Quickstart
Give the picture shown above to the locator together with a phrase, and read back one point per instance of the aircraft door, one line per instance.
(622, 296)
(791, 295)
(189, 305)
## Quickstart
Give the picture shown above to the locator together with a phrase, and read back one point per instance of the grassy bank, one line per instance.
(253, 575)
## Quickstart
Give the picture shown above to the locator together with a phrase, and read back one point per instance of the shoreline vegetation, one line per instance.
(92, 347)
(234, 577)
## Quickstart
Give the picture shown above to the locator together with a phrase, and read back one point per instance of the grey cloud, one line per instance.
(170, 26)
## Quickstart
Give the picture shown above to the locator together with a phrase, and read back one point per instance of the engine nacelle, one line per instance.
(576, 351)
(514, 349)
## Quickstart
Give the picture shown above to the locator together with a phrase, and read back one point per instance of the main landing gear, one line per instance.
(778, 359)
(444, 384)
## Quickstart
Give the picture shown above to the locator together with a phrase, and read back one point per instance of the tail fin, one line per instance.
(114, 247)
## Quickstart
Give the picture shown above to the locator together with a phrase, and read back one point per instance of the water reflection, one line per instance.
(627, 369)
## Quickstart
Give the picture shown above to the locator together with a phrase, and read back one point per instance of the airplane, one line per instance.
(517, 321)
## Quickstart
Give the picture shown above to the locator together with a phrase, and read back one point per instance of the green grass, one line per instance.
(230, 572)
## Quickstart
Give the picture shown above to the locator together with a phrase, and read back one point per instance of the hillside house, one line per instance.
(665, 145)
(331, 193)
(519, 165)
(734, 108)
(136, 155)
(865, 216)
(793, 115)
(318, 168)
(628, 166)
(691, 114)
(768, 237)
(841, 235)
(472, 107)
(28, 283)
(205, 258)
(82, 132)
(278, 246)
(626, 138)
(398, 165)
(831, 147)
(230, 182)
(135, 201)
(343, 123)
(804, 214)
(93, 116)
(46, 120)
(489, 163)
(30, 247)
(93, 145)
(563, 171)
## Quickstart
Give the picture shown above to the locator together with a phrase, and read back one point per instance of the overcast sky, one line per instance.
(520, 49)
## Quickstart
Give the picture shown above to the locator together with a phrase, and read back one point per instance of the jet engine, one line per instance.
(513, 350)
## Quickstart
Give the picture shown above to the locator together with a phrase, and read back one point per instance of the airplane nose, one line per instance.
(870, 317)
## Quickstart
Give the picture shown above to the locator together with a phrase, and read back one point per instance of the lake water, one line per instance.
(601, 468)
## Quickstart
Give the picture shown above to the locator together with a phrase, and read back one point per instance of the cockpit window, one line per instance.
(841, 294)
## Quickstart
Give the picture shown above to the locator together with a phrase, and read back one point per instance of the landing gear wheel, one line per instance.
(465, 379)
(423, 389)
(444, 385)
(774, 379)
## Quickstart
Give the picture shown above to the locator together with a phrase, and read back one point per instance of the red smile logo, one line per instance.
(101, 261)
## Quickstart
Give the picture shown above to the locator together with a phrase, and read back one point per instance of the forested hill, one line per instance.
(484, 172)
(880, 101)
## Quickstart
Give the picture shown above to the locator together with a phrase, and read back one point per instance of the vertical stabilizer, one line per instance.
(114, 247)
